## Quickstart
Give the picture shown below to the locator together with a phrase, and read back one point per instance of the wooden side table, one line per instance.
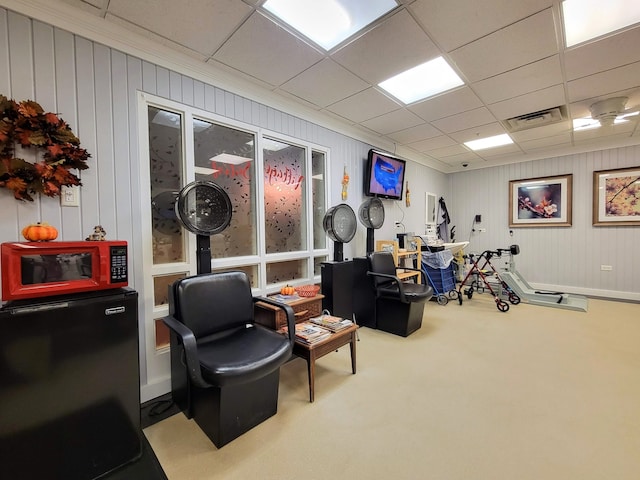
(274, 317)
(312, 352)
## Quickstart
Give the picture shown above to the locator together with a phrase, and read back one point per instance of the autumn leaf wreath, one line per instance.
(26, 124)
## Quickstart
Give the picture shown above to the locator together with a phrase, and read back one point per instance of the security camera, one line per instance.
(465, 165)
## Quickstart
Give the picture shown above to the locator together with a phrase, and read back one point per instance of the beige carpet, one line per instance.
(535, 393)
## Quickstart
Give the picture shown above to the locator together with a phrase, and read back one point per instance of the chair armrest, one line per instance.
(188, 340)
(291, 319)
(395, 279)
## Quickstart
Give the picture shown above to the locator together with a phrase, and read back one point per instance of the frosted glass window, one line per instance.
(226, 156)
(317, 264)
(278, 272)
(250, 270)
(165, 161)
(284, 197)
(161, 285)
(318, 198)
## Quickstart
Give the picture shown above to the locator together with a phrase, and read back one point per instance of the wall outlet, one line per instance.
(70, 196)
(478, 218)
(606, 268)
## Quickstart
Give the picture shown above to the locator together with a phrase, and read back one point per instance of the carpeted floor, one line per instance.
(475, 394)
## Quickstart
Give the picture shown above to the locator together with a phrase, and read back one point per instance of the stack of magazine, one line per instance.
(307, 332)
(335, 324)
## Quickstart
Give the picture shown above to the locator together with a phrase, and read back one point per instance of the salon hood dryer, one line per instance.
(203, 208)
(340, 225)
(371, 215)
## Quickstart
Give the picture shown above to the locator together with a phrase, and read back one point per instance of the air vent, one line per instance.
(536, 119)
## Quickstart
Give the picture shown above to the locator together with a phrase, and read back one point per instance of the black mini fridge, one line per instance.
(70, 388)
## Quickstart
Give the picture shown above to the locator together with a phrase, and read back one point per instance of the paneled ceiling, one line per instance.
(510, 55)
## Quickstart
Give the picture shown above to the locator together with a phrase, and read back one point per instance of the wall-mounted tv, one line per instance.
(384, 175)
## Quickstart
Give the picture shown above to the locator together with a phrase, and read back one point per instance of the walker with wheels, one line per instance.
(480, 273)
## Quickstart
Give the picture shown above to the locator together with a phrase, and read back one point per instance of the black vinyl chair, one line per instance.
(225, 369)
(399, 305)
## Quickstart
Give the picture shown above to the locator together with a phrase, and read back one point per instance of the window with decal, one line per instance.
(226, 156)
(284, 196)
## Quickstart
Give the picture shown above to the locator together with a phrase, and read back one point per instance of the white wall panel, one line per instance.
(568, 257)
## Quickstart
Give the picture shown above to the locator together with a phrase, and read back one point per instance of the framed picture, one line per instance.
(540, 202)
(616, 197)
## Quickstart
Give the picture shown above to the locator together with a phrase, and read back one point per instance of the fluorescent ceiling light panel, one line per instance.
(587, 19)
(423, 81)
(329, 22)
(489, 142)
(230, 159)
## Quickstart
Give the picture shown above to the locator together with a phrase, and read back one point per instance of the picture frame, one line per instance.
(616, 197)
(541, 202)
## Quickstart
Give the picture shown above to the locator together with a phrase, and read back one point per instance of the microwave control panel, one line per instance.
(118, 264)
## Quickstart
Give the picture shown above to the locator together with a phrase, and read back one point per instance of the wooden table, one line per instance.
(312, 352)
(303, 308)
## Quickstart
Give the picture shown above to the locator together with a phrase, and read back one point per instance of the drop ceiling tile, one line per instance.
(469, 158)
(508, 48)
(393, 121)
(498, 151)
(475, 133)
(202, 29)
(364, 105)
(375, 55)
(581, 109)
(545, 131)
(472, 19)
(156, 38)
(535, 76)
(449, 103)
(546, 142)
(432, 143)
(529, 103)
(94, 6)
(448, 151)
(267, 51)
(325, 83)
(464, 120)
(413, 134)
(599, 84)
(605, 54)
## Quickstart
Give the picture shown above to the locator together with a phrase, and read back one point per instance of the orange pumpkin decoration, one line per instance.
(39, 232)
(288, 290)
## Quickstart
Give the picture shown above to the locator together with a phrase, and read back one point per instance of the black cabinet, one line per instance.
(70, 387)
(337, 286)
(364, 299)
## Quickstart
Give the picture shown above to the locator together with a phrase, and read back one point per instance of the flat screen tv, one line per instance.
(384, 175)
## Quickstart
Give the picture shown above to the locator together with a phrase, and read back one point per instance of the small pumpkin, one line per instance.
(288, 290)
(39, 232)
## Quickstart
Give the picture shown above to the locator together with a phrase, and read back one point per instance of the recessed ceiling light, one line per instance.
(489, 142)
(423, 81)
(328, 22)
(587, 19)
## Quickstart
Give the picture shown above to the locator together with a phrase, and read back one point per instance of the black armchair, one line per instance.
(399, 305)
(225, 369)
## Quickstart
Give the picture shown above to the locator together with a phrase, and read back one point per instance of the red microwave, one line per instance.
(41, 269)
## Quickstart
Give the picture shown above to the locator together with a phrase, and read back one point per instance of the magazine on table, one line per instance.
(309, 333)
(331, 322)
